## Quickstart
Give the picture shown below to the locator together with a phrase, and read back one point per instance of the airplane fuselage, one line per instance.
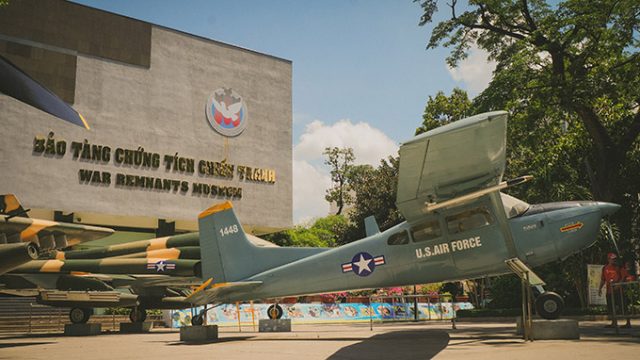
(456, 244)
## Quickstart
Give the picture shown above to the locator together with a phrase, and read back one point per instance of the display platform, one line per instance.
(82, 329)
(559, 329)
(136, 327)
(199, 333)
(271, 325)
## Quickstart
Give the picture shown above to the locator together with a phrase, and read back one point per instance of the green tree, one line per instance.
(570, 66)
(340, 160)
(375, 192)
(568, 74)
(442, 109)
(324, 232)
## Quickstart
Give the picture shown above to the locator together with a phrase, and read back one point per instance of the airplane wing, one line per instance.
(451, 161)
(16, 226)
(217, 292)
(49, 234)
(17, 84)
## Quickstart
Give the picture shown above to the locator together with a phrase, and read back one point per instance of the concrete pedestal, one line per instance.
(199, 333)
(136, 327)
(82, 329)
(559, 329)
(270, 325)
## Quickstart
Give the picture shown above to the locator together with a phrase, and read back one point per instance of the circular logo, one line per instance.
(227, 112)
(363, 264)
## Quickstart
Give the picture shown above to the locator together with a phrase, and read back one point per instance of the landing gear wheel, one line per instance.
(80, 315)
(197, 320)
(274, 312)
(549, 305)
(138, 315)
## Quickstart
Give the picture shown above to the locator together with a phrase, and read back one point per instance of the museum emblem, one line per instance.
(227, 112)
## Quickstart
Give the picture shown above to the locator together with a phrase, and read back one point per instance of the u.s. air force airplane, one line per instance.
(458, 226)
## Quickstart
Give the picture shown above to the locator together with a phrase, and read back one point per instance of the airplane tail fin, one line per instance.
(9, 205)
(227, 255)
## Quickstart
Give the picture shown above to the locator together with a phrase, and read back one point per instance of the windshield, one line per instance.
(513, 207)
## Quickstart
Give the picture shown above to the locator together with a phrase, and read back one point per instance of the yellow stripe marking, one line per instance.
(35, 228)
(202, 286)
(60, 255)
(216, 208)
(86, 125)
(168, 254)
(11, 203)
(52, 266)
(156, 244)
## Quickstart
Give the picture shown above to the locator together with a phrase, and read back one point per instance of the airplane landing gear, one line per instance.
(549, 305)
(197, 320)
(274, 312)
(137, 315)
(80, 315)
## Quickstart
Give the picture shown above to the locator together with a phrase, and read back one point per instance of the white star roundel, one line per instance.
(363, 264)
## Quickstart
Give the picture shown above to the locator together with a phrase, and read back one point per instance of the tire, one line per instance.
(274, 312)
(137, 315)
(80, 315)
(197, 320)
(549, 305)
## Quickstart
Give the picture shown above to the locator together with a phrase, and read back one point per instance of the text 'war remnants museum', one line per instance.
(177, 123)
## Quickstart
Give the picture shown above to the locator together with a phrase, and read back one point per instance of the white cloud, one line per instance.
(475, 71)
(311, 177)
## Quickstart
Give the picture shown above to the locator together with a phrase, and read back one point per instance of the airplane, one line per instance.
(459, 225)
(22, 239)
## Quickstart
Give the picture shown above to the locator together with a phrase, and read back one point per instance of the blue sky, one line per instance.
(361, 73)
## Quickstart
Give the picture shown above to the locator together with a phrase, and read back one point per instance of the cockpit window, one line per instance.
(469, 220)
(400, 238)
(426, 231)
(513, 207)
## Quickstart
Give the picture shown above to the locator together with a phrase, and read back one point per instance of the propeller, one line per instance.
(609, 233)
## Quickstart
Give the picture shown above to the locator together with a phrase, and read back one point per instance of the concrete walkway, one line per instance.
(389, 342)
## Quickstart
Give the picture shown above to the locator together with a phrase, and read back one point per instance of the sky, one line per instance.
(361, 71)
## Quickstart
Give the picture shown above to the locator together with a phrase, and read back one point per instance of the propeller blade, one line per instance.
(610, 235)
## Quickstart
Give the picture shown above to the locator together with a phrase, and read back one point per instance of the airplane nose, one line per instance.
(607, 208)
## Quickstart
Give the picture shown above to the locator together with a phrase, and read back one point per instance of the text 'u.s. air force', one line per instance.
(445, 248)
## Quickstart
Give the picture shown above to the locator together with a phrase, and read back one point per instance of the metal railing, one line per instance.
(25, 316)
(401, 310)
(624, 294)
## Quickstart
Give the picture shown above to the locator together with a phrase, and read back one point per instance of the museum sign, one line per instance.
(141, 159)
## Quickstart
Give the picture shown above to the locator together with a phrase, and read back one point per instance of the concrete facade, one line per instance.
(159, 109)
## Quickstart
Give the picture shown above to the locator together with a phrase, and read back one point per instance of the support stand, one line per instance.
(82, 329)
(274, 325)
(135, 327)
(203, 333)
(527, 279)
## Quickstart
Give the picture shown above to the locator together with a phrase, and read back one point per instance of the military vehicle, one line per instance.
(458, 226)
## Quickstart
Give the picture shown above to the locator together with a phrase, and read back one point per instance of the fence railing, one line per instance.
(407, 308)
(25, 316)
(625, 294)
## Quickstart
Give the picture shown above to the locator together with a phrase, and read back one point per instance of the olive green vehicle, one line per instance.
(458, 226)
(23, 238)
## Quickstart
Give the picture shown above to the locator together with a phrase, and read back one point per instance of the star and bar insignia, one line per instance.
(161, 266)
(363, 264)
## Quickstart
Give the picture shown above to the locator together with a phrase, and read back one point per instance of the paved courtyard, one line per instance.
(388, 341)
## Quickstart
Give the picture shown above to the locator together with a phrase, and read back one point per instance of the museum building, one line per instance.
(177, 123)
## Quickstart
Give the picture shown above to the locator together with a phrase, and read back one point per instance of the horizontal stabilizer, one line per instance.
(217, 292)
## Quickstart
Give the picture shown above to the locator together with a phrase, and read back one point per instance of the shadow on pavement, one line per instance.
(16, 344)
(397, 345)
